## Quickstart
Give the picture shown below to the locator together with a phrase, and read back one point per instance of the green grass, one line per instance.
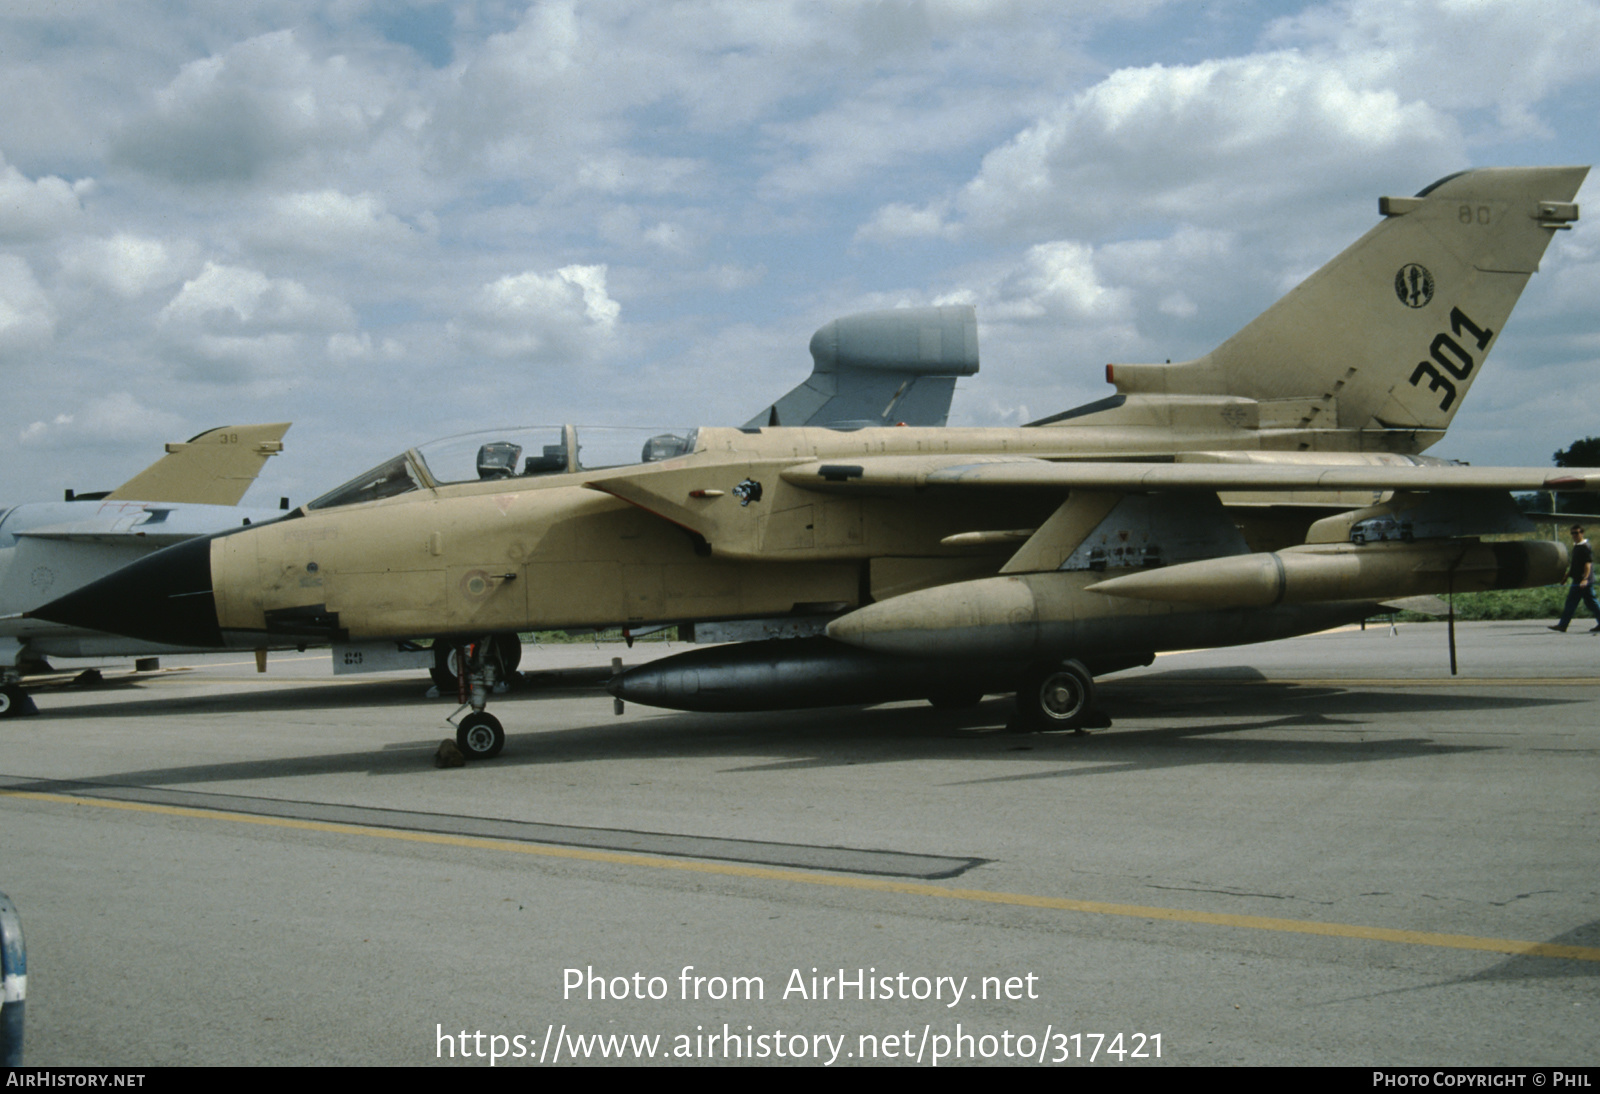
(1541, 603)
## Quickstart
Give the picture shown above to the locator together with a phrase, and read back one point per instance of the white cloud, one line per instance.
(36, 209)
(668, 236)
(331, 222)
(823, 94)
(1207, 143)
(1055, 281)
(626, 226)
(235, 325)
(520, 99)
(37, 431)
(541, 316)
(111, 419)
(126, 264)
(277, 360)
(893, 121)
(363, 347)
(1178, 305)
(898, 220)
(237, 115)
(231, 300)
(27, 318)
(1506, 56)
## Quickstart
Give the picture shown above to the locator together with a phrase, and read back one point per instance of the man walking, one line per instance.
(1581, 572)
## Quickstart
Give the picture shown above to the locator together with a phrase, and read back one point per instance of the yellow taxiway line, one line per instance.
(881, 885)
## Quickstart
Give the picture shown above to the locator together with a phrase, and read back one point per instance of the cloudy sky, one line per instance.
(388, 222)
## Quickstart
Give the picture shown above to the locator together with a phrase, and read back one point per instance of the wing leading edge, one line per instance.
(920, 472)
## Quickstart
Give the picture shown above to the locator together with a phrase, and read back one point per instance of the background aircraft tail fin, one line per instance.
(1392, 332)
(882, 368)
(215, 468)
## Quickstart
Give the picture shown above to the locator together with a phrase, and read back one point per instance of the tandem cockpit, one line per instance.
(517, 453)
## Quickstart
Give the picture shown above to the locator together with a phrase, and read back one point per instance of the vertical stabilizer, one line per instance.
(1391, 334)
(215, 468)
(882, 368)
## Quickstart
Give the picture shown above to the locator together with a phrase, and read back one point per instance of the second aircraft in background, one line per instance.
(48, 549)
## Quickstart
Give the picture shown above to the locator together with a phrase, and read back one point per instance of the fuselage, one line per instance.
(699, 536)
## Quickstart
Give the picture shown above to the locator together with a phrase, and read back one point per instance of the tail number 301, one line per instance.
(1451, 357)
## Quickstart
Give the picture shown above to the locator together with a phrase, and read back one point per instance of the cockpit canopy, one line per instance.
(499, 454)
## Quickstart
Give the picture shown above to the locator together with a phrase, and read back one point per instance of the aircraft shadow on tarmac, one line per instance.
(1216, 720)
(146, 697)
(1516, 967)
(1530, 966)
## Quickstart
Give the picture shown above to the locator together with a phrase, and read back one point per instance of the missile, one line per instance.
(1214, 602)
(1380, 571)
(1022, 619)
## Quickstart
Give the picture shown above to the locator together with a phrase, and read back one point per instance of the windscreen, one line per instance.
(513, 453)
(396, 476)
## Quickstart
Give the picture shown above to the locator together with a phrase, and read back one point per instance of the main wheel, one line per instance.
(506, 647)
(10, 701)
(1056, 696)
(443, 672)
(480, 736)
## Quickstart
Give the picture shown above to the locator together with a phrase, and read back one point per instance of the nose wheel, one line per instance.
(479, 735)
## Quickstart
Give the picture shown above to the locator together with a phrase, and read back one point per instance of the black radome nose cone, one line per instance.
(164, 597)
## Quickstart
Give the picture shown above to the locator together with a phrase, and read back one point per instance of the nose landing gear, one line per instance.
(479, 735)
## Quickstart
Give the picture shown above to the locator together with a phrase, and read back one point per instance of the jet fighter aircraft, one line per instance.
(51, 548)
(1218, 501)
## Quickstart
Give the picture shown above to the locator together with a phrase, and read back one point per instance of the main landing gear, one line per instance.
(478, 666)
(1058, 696)
(505, 648)
(14, 702)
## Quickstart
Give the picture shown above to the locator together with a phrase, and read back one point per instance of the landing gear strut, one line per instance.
(1057, 696)
(479, 735)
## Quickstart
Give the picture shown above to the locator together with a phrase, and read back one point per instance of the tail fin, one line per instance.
(882, 368)
(1392, 332)
(215, 468)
